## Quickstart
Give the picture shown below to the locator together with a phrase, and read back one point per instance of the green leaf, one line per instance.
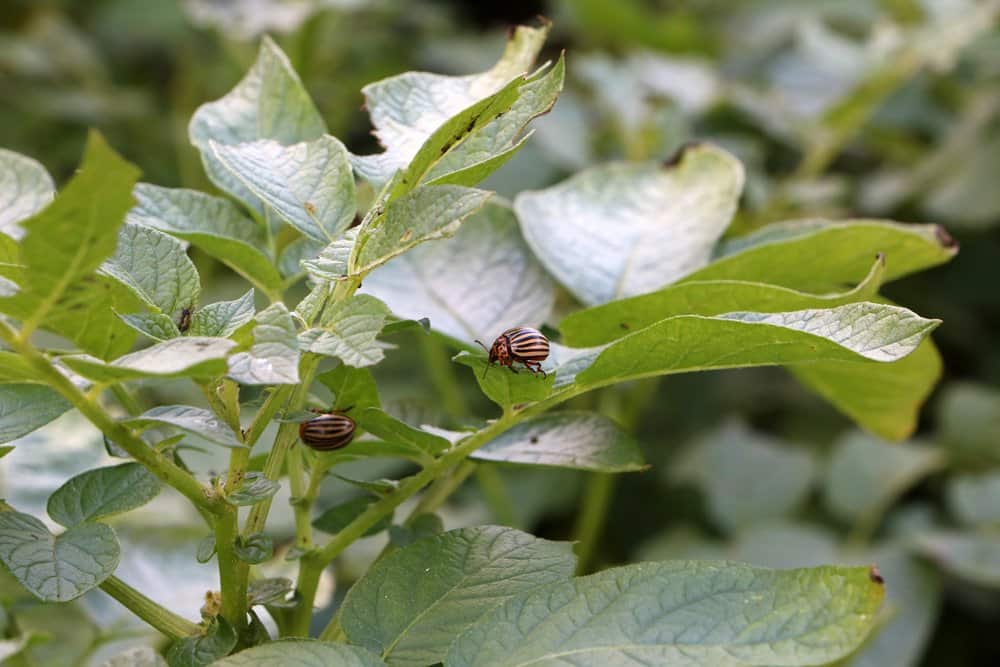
(310, 185)
(968, 419)
(157, 326)
(5, 450)
(421, 117)
(366, 448)
(412, 604)
(974, 557)
(143, 656)
(613, 320)
(747, 477)
(156, 268)
(224, 318)
(866, 475)
(60, 634)
(57, 568)
(219, 639)
(269, 591)
(506, 386)
(571, 439)
(392, 430)
(680, 613)
(476, 284)
(206, 549)
(692, 342)
(101, 493)
(975, 499)
(301, 653)
(619, 230)
(340, 516)
(212, 224)
(25, 189)
(300, 250)
(820, 255)
(254, 549)
(254, 488)
(26, 407)
(352, 388)
(63, 246)
(274, 356)
(198, 421)
(348, 331)
(270, 102)
(330, 264)
(14, 369)
(418, 528)
(179, 357)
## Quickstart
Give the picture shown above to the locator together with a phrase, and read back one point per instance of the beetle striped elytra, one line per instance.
(521, 344)
(327, 431)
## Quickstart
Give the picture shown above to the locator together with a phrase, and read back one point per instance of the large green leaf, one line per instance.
(25, 189)
(178, 357)
(348, 331)
(301, 653)
(746, 476)
(352, 388)
(820, 255)
(309, 184)
(392, 430)
(103, 492)
(506, 386)
(273, 358)
(619, 230)
(26, 407)
(270, 102)
(222, 319)
(156, 268)
(571, 439)
(411, 604)
(64, 244)
(57, 568)
(865, 475)
(199, 421)
(613, 320)
(684, 613)
(476, 284)
(412, 111)
(425, 214)
(212, 224)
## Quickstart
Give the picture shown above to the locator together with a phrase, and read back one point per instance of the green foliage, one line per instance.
(101, 493)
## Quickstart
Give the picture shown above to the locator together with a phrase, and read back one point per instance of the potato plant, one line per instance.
(101, 305)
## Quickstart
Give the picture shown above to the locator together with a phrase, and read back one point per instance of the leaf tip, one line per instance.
(875, 575)
(678, 155)
(945, 239)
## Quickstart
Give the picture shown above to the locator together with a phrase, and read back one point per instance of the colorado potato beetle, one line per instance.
(327, 431)
(521, 344)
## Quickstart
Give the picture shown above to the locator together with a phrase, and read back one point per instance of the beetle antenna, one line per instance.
(482, 346)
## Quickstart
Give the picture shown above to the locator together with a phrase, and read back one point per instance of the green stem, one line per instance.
(590, 522)
(127, 400)
(310, 571)
(495, 492)
(161, 618)
(165, 469)
(231, 579)
(301, 504)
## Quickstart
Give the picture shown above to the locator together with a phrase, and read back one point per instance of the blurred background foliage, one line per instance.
(855, 108)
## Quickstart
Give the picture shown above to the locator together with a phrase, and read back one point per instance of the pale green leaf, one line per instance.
(223, 318)
(254, 549)
(26, 407)
(157, 326)
(975, 499)
(974, 557)
(392, 430)
(619, 230)
(310, 185)
(571, 439)
(254, 488)
(178, 357)
(411, 604)
(348, 331)
(747, 477)
(203, 649)
(684, 613)
(330, 263)
(506, 386)
(455, 282)
(352, 388)
(102, 492)
(266, 591)
(143, 656)
(15, 369)
(425, 214)
(57, 568)
(156, 268)
(270, 102)
(300, 250)
(866, 475)
(273, 358)
(25, 189)
(212, 224)
(302, 653)
(968, 419)
(198, 421)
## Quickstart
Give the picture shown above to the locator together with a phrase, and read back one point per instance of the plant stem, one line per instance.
(161, 618)
(310, 571)
(301, 504)
(597, 496)
(165, 469)
(438, 362)
(127, 400)
(231, 579)
(495, 492)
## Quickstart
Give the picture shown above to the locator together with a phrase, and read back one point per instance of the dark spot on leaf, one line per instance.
(309, 207)
(944, 238)
(407, 235)
(875, 575)
(678, 155)
(534, 440)
(625, 326)
(357, 221)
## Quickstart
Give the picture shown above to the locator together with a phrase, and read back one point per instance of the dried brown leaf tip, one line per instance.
(944, 238)
(875, 575)
(679, 154)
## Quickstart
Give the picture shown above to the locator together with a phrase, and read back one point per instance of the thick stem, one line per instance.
(161, 618)
(310, 571)
(231, 575)
(301, 504)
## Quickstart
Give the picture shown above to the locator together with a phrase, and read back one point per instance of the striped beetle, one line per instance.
(327, 431)
(522, 344)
